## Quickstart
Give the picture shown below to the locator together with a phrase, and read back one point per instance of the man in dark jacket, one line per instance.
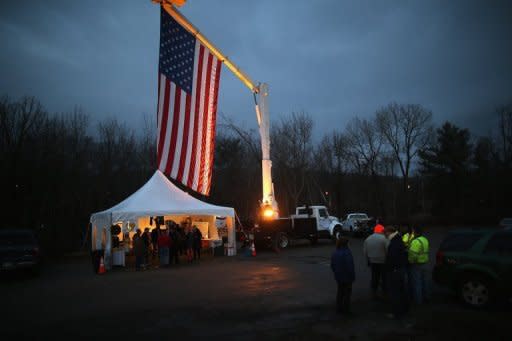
(174, 238)
(139, 250)
(396, 264)
(198, 236)
(342, 265)
(146, 237)
(154, 239)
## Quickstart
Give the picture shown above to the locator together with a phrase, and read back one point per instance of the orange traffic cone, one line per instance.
(253, 250)
(101, 269)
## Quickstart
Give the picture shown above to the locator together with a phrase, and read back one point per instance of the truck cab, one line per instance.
(327, 226)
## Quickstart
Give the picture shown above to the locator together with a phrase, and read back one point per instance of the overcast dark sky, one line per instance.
(333, 59)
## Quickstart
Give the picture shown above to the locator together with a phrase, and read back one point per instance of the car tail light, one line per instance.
(439, 257)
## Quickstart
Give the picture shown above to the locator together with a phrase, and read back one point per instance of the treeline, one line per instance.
(59, 168)
(397, 165)
(54, 173)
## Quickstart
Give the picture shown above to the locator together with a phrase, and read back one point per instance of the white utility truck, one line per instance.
(308, 222)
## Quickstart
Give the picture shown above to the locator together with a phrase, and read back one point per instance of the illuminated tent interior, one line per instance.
(160, 197)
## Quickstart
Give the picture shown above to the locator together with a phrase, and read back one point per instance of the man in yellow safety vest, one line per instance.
(408, 237)
(418, 256)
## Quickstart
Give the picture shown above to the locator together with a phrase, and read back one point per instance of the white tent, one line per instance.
(158, 197)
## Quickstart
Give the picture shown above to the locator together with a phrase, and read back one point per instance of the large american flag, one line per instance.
(188, 85)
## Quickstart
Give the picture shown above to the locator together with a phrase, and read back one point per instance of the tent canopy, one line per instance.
(158, 197)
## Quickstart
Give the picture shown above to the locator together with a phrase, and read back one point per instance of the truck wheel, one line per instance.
(283, 241)
(337, 232)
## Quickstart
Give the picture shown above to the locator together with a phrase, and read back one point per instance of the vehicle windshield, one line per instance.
(460, 242)
(304, 211)
(322, 212)
(359, 216)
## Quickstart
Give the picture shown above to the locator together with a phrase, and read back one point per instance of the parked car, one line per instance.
(19, 250)
(506, 223)
(477, 264)
(357, 223)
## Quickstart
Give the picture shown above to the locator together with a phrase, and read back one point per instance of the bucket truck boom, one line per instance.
(268, 205)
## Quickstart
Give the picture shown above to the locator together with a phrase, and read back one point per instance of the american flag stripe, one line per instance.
(193, 122)
(184, 139)
(212, 127)
(174, 131)
(164, 128)
(177, 137)
(187, 104)
(206, 123)
(187, 125)
(200, 126)
(161, 89)
(197, 118)
(209, 128)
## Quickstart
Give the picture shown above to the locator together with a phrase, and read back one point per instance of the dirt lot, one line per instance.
(274, 296)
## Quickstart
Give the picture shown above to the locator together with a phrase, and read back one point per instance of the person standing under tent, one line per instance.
(163, 247)
(182, 239)
(138, 250)
(174, 244)
(154, 240)
(146, 237)
(189, 244)
(198, 236)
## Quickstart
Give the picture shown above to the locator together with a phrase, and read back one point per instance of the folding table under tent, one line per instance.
(159, 197)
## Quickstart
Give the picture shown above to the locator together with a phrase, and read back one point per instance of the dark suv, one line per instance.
(477, 264)
(19, 250)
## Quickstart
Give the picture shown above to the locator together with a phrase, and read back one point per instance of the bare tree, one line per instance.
(146, 147)
(331, 153)
(330, 163)
(19, 120)
(365, 145)
(406, 129)
(248, 136)
(20, 125)
(292, 151)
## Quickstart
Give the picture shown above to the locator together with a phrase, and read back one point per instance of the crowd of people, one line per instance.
(165, 244)
(399, 268)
